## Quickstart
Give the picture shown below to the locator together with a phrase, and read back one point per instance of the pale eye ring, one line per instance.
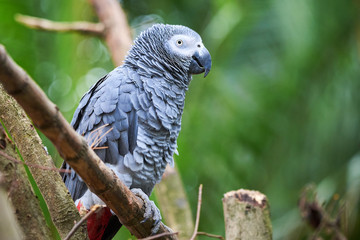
(179, 42)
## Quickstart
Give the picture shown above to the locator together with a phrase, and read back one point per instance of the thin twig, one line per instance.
(95, 148)
(33, 165)
(159, 236)
(197, 213)
(99, 137)
(210, 235)
(82, 27)
(83, 219)
(94, 133)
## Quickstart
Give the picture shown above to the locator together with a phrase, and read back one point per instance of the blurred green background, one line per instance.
(279, 109)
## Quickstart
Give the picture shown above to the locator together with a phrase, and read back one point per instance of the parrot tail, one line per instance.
(102, 225)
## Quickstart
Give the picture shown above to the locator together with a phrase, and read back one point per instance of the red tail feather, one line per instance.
(97, 222)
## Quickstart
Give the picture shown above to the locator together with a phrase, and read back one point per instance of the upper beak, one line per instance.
(201, 62)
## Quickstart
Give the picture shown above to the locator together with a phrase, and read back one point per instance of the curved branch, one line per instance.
(74, 149)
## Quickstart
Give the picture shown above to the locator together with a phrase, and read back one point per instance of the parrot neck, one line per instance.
(158, 65)
(148, 69)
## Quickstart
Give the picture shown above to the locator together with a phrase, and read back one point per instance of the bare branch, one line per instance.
(113, 27)
(210, 235)
(159, 236)
(87, 28)
(197, 213)
(74, 149)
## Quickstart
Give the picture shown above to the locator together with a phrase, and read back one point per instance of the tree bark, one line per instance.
(74, 149)
(25, 202)
(62, 209)
(247, 215)
(174, 204)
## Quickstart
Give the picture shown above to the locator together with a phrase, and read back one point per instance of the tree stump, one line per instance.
(247, 215)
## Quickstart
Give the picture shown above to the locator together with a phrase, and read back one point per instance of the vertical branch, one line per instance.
(197, 213)
(174, 205)
(117, 31)
(61, 207)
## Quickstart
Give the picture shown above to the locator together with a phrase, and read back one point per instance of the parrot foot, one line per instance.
(151, 211)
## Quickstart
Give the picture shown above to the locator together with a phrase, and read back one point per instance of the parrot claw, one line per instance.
(151, 211)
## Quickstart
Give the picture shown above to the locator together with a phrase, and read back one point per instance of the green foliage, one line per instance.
(279, 109)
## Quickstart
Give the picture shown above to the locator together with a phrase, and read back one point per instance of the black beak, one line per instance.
(201, 62)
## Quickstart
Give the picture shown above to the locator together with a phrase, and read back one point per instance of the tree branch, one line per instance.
(117, 31)
(61, 207)
(87, 28)
(210, 235)
(74, 149)
(174, 205)
(197, 214)
(157, 236)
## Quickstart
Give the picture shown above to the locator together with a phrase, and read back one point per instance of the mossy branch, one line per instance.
(61, 207)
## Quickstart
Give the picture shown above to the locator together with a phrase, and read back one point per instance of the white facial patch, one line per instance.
(184, 45)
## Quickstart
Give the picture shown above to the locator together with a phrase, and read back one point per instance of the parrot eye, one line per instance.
(179, 42)
(198, 45)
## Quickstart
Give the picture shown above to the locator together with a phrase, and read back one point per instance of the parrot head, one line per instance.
(189, 48)
(176, 49)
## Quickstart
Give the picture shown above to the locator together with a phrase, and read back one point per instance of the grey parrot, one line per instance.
(132, 116)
